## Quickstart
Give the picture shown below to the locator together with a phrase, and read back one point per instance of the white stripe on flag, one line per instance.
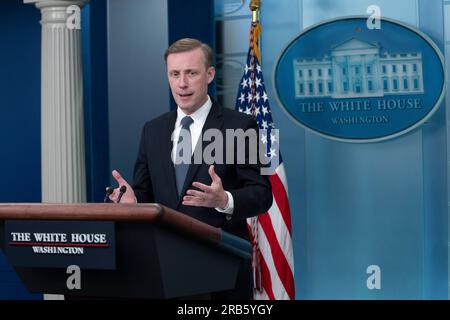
(282, 175)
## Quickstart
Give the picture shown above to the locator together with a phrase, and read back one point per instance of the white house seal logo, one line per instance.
(347, 82)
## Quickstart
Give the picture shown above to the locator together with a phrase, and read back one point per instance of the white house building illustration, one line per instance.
(358, 69)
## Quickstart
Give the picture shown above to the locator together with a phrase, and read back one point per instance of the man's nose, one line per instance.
(183, 81)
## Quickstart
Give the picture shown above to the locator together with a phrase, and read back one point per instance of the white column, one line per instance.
(62, 125)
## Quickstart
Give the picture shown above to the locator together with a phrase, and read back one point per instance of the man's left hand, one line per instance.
(213, 196)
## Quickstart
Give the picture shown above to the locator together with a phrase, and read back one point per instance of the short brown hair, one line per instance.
(188, 44)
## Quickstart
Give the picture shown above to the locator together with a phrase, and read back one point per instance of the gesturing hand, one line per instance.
(212, 196)
(128, 196)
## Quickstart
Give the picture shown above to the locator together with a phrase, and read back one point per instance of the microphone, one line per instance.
(123, 189)
(109, 191)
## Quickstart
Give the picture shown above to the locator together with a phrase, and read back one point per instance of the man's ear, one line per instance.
(211, 73)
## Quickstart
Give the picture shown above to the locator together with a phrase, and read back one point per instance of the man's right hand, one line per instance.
(128, 196)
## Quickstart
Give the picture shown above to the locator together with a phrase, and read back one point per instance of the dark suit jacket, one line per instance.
(154, 177)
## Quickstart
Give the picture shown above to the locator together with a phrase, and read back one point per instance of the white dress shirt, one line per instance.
(196, 127)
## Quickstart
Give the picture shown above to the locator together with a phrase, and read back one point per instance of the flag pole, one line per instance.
(255, 5)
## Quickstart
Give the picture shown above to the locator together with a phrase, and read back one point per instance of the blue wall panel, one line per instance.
(20, 60)
(95, 76)
(137, 85)
(431, 21)
(356, 205)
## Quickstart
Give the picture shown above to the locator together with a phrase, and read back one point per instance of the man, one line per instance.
(222, 195)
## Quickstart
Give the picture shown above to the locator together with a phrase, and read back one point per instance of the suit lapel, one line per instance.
(166, 151)
(214, 120)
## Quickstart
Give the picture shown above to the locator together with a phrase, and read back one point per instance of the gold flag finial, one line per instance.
(255, 5)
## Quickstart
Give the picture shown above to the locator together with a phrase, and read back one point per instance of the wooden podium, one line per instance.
(159, 252)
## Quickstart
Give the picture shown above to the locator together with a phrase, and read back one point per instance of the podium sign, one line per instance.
(58, 244)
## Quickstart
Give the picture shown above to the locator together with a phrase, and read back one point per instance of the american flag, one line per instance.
(271, 232)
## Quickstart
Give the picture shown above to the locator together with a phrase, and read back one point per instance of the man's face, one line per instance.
(189, 79)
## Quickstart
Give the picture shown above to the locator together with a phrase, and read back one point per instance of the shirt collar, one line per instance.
(198, 116)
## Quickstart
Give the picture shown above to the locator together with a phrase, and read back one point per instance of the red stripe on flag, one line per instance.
(280, 196)
(279, 259)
